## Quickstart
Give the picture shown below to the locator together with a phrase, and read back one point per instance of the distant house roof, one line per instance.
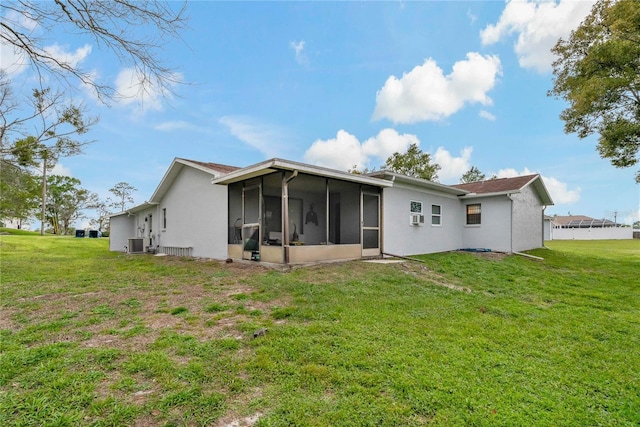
(580, 221)
(502, 186)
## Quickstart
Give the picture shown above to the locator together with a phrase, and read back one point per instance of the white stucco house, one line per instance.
(287, 212)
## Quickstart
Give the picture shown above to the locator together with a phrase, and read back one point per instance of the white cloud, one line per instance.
(452, 168)
(269, 139)
(14, 61)
(345, 150)
(487, 115)
(298, 48)
(387, 142)
(342, 152)
(539, 25)
(473, 18)
(72, 59)
(179, 125)
(425, 93)
(58, 169)
(559, 191)
(133, 89)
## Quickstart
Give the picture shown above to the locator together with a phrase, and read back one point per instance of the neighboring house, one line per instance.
(14, 223)
(287, 212)
(580, 227)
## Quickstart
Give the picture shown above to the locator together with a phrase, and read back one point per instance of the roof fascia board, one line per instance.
(135, 209)
(279, 164)
(426, 190)
(169, 174)
(199, 167)
(172, 172)
(494, 194)
(419, 182)
(542, 191)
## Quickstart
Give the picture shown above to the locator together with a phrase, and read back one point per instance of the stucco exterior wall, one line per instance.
(494, 232)
(402, 238)
(146, 229)
(527, 220)
(121, 229)
(196, 215)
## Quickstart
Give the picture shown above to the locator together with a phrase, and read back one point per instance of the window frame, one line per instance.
(436, 215)
(471, 216)
(416, 202)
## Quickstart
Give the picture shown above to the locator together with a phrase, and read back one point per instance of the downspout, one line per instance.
(544, 207)
(510, 224)
(285, 214)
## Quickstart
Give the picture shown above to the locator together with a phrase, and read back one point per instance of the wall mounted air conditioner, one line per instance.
(416, 219)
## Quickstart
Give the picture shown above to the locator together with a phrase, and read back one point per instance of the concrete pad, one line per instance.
(385, 261)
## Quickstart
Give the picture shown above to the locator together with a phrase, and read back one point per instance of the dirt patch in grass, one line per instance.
(422, 272)
(134, 317)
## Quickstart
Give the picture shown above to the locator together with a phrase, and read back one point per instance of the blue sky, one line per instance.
(344, 84)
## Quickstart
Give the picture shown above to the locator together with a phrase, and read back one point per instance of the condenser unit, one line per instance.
(136, 245)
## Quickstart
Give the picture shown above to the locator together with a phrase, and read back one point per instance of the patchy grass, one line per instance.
(89, 337)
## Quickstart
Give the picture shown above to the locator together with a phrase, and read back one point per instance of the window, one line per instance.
(473, 214)
(416, 217)
(436, 214)
(416, 207)
(164, 218)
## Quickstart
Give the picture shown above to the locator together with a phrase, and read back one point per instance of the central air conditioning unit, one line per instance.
(136, 245)
(416, 219)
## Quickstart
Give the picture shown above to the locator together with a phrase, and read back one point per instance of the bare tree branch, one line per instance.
(134, 31)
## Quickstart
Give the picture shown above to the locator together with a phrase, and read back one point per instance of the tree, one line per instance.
(414, 163)
(20, 192)
(65, 202)
(597, 71)
(362, 171)
(55, 126)
(134, 31)
(122, 191)
(472, 175)
(103, 211)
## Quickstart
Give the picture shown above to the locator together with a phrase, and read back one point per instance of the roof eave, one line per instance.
(393, 177)
(276, 164)
(494, 194)
(135, 209)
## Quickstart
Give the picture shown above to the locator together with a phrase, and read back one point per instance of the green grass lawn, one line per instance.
(90, 337)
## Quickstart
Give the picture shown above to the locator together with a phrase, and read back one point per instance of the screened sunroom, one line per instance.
(286, 212)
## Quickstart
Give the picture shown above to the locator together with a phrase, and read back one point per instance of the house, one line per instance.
(287, 212)
(581, 227)
(183, 215)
